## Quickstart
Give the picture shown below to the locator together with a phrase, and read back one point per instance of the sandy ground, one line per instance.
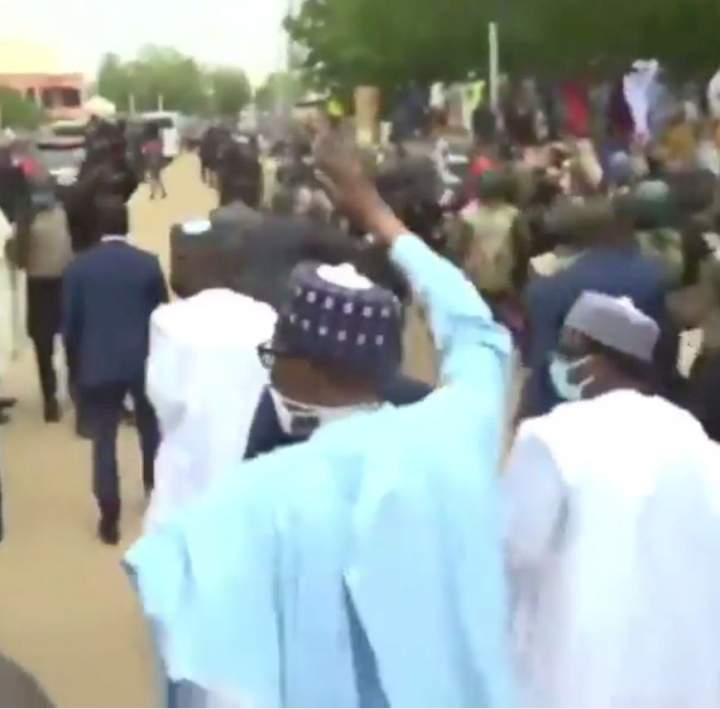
(67, 612)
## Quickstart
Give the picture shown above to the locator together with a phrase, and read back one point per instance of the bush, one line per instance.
(18, 112)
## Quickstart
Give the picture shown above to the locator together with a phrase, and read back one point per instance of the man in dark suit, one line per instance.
(613, 265)
(109, 294)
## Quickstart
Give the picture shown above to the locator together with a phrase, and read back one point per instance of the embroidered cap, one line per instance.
(336, 315)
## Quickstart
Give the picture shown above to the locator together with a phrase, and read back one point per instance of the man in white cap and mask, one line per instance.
(613, 535)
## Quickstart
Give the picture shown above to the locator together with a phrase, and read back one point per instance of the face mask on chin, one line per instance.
(560, 371)
(302, 420)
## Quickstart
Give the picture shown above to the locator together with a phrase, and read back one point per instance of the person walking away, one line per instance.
(495, 251)
(290, 581)
(153, 152)
(613, 529)
(208, 152)
(46, 255)
(109, 294)
(204, 376)
(234, 212)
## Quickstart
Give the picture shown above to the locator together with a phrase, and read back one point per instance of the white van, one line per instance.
(168, 123)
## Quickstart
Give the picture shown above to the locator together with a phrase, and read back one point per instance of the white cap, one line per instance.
(615, 323)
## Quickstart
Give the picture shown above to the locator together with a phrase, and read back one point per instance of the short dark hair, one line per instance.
(112, 217)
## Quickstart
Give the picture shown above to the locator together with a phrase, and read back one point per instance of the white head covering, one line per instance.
(615, 323)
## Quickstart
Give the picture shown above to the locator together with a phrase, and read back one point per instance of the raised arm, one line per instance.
(471, 345)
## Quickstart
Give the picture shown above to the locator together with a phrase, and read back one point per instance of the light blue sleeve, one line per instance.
(207, 583)
(426, 573)
(471, 344)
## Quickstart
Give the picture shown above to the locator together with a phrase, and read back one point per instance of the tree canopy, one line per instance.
(230, 91)
(389, 44)
(18, 112)
(183, 85)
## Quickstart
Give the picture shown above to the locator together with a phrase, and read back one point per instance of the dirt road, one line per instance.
(66, 611)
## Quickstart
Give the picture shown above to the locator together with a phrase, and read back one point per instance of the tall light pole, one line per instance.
(494, 64)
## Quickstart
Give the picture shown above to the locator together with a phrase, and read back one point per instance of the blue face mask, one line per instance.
(560, 369)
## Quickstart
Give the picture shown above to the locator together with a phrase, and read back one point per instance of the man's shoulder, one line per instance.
(144, 254)
(236, 212)
(133, 255)
(104, 253)
(632, 268)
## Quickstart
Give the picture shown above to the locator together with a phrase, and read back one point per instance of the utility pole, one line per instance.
(494, 64)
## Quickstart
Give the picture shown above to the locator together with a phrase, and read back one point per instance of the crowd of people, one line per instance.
(325, 529)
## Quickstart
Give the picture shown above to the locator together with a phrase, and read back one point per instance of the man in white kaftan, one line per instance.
(204, 379)
(614, 530)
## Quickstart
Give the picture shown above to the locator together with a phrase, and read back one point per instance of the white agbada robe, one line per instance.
(204, 379)
(613, 546)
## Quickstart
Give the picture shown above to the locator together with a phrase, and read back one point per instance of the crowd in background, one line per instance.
(376, 544)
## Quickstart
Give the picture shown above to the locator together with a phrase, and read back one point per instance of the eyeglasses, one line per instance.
(269, 354)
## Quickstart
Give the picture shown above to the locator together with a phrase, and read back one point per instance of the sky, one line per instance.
(243, 33)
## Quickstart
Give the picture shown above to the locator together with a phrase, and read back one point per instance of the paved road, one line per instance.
(66, 610)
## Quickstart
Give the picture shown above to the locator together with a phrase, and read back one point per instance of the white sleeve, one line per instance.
(533, 497)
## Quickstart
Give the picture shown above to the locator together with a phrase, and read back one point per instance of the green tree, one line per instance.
(158, 72)
(162, 72)
(18, 112)
(351, 42)
(230, 91)
(114, 81)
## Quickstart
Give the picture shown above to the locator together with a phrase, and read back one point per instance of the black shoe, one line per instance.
(108, 531)
(52, 411)
(7, 402)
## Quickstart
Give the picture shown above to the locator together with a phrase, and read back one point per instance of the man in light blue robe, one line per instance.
(364, 566)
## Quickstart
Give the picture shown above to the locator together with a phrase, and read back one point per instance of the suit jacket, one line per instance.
(265, 432)
(109, 294)
(615, 272)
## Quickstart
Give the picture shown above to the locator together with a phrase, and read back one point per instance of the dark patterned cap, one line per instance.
(615, 323)
(337, 316)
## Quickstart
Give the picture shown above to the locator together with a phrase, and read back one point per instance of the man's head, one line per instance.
(239, 175)
(652, 205)
(338, 338)
(606, 344)
(112, 217)
(495, 187)
(580, 224)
